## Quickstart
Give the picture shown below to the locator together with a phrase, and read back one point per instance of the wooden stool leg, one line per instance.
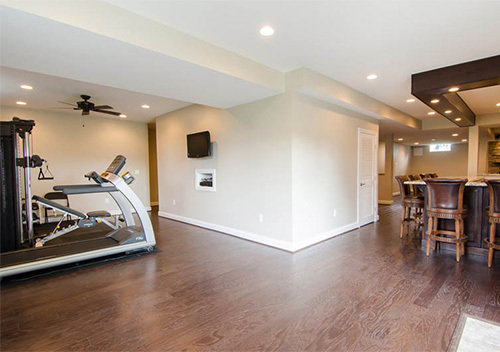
(422, 223)
(434, 229)
(462, 232)
(492, 240)
(457, 235)
(429, 230)
(402, 222)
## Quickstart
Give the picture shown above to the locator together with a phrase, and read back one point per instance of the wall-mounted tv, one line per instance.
(198, 144)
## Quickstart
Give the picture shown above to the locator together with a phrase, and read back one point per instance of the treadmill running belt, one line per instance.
(33, 254)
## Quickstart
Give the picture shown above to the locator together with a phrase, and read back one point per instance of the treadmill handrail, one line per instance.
(61, 187)
(93, 189)
(62, 208)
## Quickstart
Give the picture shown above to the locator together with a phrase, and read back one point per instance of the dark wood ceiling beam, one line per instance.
(435, 84)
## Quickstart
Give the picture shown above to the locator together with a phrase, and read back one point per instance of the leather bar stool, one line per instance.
(413, 206)
(445, 200)
(493, 214)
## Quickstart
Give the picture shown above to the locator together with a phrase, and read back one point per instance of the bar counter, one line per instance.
(476, 200)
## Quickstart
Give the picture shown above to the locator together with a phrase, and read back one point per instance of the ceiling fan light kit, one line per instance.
(87, 106)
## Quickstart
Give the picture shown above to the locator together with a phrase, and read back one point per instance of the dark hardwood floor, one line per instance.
(367, 290)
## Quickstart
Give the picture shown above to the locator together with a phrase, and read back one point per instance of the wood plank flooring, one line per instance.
(367, 290)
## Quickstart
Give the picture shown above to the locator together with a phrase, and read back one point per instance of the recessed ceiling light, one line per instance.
(25, 86)
(416, 143)
(458, 119)
(435, 101)
(431, 113)
(455, 134)
(464, 140)
(410, 100)
(20, 103)
(447, 112)
(372, 76)
(266, 31)
(122, 115)
(453, 89)
(498, 104)
(145, 106)
(400, 139)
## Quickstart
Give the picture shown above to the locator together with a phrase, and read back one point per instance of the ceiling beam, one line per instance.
(435, 85)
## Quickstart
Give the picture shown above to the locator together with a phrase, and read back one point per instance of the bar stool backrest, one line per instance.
(414, 188)
(494, 188)
(405, 190)
(445, 193)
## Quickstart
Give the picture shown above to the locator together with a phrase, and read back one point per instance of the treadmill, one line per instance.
(87, 243)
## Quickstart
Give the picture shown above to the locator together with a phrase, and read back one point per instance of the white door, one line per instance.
(367, 177)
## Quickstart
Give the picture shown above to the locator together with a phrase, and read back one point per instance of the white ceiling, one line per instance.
(49, 91)
(345, 39)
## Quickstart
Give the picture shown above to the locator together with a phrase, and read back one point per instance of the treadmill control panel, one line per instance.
(116, 165)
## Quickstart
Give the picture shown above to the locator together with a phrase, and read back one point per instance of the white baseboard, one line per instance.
(324, 236)
(385, 202)
(284, 245)
(395, 194)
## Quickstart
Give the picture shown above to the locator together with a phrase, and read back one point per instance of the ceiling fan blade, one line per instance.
(108, 112)
(63, 102)
(59, 108)
(85, 112)
(99, 107)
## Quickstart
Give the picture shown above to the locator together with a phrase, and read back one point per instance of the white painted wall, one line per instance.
(324, 168)
(252, 157)
(73, 150)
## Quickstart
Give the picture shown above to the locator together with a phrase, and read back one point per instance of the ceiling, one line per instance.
(345, 40)
(49, 91)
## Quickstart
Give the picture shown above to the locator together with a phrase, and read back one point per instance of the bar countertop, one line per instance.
(471, 183)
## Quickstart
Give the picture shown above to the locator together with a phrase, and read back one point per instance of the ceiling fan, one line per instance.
(86, 106)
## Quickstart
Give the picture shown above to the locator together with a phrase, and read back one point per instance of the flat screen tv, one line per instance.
(198, 144)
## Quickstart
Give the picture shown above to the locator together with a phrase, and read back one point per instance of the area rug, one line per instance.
(474, 334)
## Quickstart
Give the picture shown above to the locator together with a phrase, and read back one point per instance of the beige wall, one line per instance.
(324, 168)
(385, 178)
(73, 150)
(251, 152)
(153, 166)
(402, 158)
(290, 158)
(445, 164)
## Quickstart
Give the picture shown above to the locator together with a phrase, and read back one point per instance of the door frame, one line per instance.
(374, 171)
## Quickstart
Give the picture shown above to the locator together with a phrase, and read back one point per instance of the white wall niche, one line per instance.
(205, 180)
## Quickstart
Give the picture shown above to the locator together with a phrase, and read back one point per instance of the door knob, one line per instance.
(362, 184)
